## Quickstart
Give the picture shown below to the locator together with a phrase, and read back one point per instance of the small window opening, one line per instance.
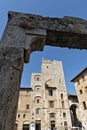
(27, 106)
(51, 103)
(61, 95)
(80, 91)
(38, 100)
(84, 105)
(50, 92)
(18, 115)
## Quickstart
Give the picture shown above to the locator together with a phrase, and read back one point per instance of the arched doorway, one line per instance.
(74, 116)
(25, 125)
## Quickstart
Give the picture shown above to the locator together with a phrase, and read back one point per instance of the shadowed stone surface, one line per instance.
(64, 32)
(24, 34)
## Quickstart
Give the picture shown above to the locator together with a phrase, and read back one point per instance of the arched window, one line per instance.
(37, 99)
(37, 88)
(37, 77)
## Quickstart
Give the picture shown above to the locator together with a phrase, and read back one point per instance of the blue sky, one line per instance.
(73, 61)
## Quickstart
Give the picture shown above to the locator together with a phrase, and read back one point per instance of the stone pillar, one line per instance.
(11, 65)
(15, 47)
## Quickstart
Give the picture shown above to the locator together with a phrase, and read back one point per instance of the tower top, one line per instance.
(49, 61)
(46, 61)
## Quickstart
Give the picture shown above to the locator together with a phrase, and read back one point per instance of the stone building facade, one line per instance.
(45, 106)
(81, 88)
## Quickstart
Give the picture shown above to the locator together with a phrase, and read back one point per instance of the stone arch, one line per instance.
(73, 106)
(26, 122)
(22, 36)
(75, 117)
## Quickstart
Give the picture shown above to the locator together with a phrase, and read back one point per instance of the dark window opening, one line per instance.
(52, 125)
(63, 104)
(51, 103)
(65, 123)
(52, 115)
(25, 126)
(37, 78)
(27, 106)
(84, 105)
(80, 91)
(18, 115)
(38, 100)
(24, 116)
(61, 95)
(50, 92)
(38, 125)
(64, 114)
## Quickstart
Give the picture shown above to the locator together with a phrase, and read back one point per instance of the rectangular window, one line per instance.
(38, 100)
(64, 115)
(37, 110)
(27, 106)
(52, 115)
(50, 92)
(63, 104)
(84, 105)
(51, 103)
(61, 95)
(65, 123)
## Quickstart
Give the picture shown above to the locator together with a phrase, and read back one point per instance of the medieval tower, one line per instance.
(44, 106)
